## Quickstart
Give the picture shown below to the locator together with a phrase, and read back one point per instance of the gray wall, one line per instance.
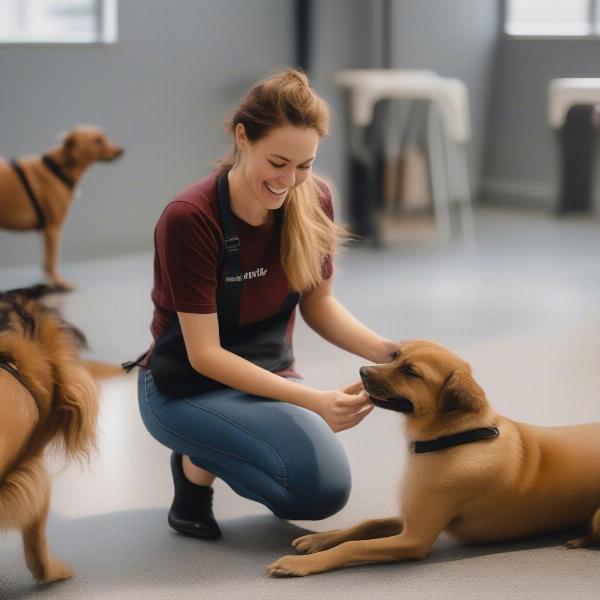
(455, 39)
(522, 165)
(342, 38)
(162, 91)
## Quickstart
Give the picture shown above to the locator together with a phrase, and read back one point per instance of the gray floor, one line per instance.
(523, 306)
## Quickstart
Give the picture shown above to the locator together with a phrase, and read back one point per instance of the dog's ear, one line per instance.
(69, 141)
(69, 146)
(461, 393)
(76, 406)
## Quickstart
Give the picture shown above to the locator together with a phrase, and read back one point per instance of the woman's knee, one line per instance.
(317, 495)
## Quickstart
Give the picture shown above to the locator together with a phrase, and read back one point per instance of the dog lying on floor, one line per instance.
(47, 398)
(472, 472)
(36, 191)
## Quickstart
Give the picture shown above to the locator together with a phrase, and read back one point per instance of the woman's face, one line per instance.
(277, 163)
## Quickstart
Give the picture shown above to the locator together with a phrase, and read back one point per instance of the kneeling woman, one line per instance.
(235, 253)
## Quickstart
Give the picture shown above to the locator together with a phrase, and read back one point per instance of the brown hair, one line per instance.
(308, 236)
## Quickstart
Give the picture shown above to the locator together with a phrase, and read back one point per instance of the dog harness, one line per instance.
(54, 168)
(456, 439)
(262, 343)
(30, 194)
(8, 364)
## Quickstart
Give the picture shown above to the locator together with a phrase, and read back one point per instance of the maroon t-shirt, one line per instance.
(189, 259)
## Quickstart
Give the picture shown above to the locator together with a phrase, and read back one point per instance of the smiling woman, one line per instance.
(236, 253)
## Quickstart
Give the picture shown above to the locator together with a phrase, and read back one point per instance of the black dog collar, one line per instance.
(465, 437)
(53, 166)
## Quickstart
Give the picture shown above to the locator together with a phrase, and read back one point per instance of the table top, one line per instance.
(368, 86)
(566, 92)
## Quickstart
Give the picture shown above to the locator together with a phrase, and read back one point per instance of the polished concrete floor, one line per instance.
(522, 306)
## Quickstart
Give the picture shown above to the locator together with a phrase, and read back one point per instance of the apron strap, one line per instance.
(132, 364)
(233, 266)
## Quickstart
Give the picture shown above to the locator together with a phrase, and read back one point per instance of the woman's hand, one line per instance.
(386, 351)
(343, 410)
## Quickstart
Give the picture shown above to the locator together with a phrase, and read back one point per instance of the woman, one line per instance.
(235, 253)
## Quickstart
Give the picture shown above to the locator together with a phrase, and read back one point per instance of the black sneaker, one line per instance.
(191, 512)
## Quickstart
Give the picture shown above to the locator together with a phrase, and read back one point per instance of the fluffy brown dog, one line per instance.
(36, 191)
(47, 398)
(497, 480)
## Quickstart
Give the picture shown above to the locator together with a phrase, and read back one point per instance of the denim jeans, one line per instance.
(279, 454)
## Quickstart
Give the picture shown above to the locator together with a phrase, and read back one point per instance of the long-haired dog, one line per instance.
(47, 398)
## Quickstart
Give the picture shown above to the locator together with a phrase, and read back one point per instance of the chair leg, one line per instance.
(439, 188)
(464, 193)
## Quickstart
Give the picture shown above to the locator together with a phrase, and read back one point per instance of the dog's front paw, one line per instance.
(582, 542)
(291, 566)
(314, 542)
(55, 570)
(62, 285)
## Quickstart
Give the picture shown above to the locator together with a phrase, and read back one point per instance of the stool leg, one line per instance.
(464, 192)
(439, 190)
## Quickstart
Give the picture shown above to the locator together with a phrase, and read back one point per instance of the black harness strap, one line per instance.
(233, 264)
(54, 167)
(465, 437)
(29, 191)
(129, 365)
(8, 365)
(263, 343)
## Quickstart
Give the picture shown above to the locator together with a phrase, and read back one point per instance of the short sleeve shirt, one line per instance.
(189, 258)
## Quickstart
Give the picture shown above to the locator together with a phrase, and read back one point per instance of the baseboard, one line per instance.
(533, 194)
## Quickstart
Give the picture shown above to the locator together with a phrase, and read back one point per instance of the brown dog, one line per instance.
(472, 473)
(36, 192)
(47, 398)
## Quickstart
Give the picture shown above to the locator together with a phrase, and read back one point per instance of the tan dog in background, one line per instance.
(51, 179)
(518, 482)
(47, 398)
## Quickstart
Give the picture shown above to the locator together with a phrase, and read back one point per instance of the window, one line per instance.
(58, 21)
(551, 17)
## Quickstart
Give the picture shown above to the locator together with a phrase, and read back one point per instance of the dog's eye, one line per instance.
(409, 371)
(98, 141)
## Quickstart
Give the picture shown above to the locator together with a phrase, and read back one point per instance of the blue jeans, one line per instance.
(279, 454)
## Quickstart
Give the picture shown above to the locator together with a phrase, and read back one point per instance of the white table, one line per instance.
(576, 188)
(447, 155)
(564, 93)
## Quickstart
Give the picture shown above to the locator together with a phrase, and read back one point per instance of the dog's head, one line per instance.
(427, 382)
(85, 144)
(44, 349)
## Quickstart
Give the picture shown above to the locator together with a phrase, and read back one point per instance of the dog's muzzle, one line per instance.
(379, 397)
(112, 157)
(398, 404)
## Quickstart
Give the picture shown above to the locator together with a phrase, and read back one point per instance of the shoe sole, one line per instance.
(193, 532)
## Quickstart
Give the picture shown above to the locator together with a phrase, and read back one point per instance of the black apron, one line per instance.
(262, 343)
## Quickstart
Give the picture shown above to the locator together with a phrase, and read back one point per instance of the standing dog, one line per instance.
(47, 398)
(36, 191)
(472, 472)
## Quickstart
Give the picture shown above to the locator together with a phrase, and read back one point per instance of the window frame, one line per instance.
(593, 20)
(106, 18)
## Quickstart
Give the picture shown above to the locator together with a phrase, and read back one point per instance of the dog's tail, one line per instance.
(20, 497)
(102, 370)
(35, 292)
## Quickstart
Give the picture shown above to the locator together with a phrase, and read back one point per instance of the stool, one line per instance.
(446, 144)
(571, 112)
